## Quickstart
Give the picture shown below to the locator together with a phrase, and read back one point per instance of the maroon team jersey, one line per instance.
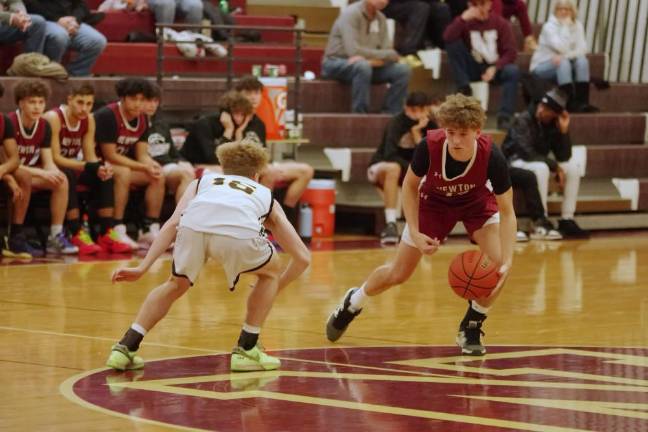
(466, 197)
(71, 139)
(127, 135)
(29, 145)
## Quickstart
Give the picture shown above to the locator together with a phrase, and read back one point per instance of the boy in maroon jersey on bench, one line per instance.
(122, 137)
(73, 132)
(33, 136)
(20, 188)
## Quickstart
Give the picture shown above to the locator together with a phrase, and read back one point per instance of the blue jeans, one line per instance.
(34, 37)
(360, 74)
(466, 69)
(88, 43)
(568, 71)
(165, 10)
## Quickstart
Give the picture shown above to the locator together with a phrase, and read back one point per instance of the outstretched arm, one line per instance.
(289, 240)
(161, 242)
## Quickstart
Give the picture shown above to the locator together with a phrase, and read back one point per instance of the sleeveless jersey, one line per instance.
(71, 139)
(29, 145)
(470, 186)
(127, 135)
(228, 205)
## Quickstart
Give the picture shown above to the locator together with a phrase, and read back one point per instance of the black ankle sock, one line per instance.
(472, 315)
(247, 341)
(74, 225)
(106, 223)
(147, 222)
(132, 340)
(16, 229)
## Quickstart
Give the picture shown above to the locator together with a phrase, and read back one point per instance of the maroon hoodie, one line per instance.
(494, 42)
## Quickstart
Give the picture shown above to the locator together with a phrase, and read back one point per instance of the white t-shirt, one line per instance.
(228, 205)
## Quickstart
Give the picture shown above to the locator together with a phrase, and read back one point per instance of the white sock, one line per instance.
(358, 298)
(55, 230)
(479, 308)
(390, 215)
(139, 329)
(251, 329)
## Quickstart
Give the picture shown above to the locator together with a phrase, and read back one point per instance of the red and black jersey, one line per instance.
(70, 138)
(113, 128)
(469, 186)
(30, 142)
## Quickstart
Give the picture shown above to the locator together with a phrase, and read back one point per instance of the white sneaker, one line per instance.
(145, 239)
(123, 236)
(521, 236)
(542, 233)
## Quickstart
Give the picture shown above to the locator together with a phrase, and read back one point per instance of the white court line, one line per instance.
(211, 351)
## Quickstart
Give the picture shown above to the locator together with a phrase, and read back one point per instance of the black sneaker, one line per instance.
(570, 229)
(469, 339)
(341, 317)
(389, 235)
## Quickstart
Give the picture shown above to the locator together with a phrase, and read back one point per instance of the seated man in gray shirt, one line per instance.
(359, 52)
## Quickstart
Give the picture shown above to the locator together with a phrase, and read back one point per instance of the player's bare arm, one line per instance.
(55, 144)
(284, 233)
(109, 150)
(9, 158)
(153, 168)
(424, 243)
(161, 242)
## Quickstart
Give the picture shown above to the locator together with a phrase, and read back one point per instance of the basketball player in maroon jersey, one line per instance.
(448, 182)
(73, 131)
(33, 136)
(121, 135)
(20, 188)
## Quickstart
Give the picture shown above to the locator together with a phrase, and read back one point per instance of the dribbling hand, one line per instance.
(127, 274)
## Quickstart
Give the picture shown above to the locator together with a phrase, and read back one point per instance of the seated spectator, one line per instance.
(296, 175)
(178, 173)
(208, 132)
(33, 136)
(16, 25)
(506, 9)
(562, 56)
(391, 160)
(73, 136)
(480, 47)
(9, 163)
(422, 20)
(65, 30)
(127, 5)
(122, 139)
(359, 52)
(536, 133)
(166, 11)
(525, 182)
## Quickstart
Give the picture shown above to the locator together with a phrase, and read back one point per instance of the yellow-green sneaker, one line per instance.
(252, 360)
(121, 358)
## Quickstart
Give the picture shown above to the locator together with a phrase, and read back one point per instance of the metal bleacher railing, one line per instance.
(618, 28)
(232, 60)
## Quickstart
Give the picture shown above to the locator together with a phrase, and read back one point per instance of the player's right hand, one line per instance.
(424, 243)
(127, 274)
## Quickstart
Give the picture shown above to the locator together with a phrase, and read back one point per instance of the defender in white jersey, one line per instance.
(220, 216)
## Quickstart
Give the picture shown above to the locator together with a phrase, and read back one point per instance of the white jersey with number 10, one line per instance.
(228, 205)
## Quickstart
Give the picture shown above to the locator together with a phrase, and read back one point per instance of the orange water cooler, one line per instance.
(320, 196)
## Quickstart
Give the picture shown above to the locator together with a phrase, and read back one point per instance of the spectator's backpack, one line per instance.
(37, 65)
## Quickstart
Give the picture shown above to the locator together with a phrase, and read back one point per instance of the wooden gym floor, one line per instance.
(567, 349)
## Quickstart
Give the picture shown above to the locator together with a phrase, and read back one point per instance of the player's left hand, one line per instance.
(105, 171)
(127, 274)
(489, 74)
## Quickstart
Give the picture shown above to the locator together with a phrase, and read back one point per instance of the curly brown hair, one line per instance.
(31, 88)
(235, 102)
(461, 112)
(245, 158)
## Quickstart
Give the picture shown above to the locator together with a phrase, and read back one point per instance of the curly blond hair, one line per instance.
(245, 158)
(461, 112)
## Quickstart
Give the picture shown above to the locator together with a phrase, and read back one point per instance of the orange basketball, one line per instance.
(472, 275)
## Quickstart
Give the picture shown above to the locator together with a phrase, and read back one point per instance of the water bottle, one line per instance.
(305, 222)
(224, 6)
